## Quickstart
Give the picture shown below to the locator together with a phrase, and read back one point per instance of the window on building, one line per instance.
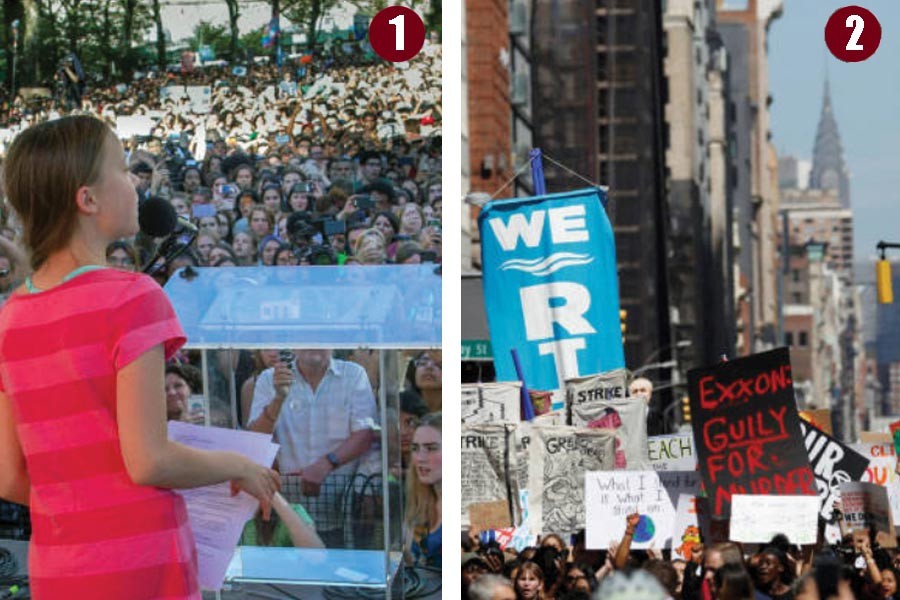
(797, 298)
(801, 339)
(789, 338)
(795, 275)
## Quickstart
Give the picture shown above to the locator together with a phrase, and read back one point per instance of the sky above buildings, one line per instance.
(866, 102)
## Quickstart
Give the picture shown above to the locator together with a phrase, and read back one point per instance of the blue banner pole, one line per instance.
(527, 408)
(537, 172)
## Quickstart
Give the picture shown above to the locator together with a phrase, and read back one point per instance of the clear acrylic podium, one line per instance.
(229, 312)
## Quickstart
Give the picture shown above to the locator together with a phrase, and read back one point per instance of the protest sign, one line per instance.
(611, 496)
(691, 526)
(672, 452)
(491, 402)
(821, 418)
(599, 402)
(875, 437)
(550, 286)
(881, 471)
(131, 126)
(746, 429)
(488, 466)
(865, 505)
(895, 432)
(199, 98)
(489, 515)
(757, 518)
(833, 464)
(559, 457)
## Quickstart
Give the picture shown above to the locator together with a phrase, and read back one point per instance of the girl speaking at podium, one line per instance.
(82, 404)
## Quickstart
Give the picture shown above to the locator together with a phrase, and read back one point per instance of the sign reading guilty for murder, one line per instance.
(747, 431)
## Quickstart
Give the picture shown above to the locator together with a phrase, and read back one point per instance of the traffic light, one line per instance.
(685, 409)
(883, 282)
(623, 316)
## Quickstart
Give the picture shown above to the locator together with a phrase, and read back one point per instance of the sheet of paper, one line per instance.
(757, 518)
(217, 519)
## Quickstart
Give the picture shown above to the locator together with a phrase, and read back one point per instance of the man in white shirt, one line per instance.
(321, 411)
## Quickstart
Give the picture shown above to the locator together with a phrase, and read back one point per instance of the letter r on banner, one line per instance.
(540, 313)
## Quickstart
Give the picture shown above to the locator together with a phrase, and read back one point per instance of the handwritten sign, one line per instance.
(757, 518)
(881, 471)
(691, 526)
(746, 429)
(672, 452)
(611, 496)
(489, 515)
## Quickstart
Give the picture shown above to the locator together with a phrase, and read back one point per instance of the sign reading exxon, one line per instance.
(550, 287)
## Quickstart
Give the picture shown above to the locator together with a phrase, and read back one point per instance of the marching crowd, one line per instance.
(856, 568)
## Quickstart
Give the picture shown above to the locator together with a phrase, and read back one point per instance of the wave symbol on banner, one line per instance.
(541, 267)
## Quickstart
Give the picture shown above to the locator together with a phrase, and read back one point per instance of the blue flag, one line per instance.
(550, 287)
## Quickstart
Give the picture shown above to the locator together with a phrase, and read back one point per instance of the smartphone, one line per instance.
(229, 191)
(364, 202)
(428, 256)
(286, 356)
(203, 210)
(434, 223)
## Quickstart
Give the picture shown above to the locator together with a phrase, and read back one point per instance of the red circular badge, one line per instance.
(397, 33)
(852, 34)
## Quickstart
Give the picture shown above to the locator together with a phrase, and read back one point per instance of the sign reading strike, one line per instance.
(550, 287)
(747, 430)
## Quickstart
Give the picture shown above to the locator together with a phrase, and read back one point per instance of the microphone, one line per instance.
(156, 217)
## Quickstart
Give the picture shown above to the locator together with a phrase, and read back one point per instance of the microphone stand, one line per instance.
(171, 248)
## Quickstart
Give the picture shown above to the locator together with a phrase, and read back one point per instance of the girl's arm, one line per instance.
(15, 484)
(302, 534)
(151, 459)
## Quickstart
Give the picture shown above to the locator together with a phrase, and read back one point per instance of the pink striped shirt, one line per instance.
(95, 533)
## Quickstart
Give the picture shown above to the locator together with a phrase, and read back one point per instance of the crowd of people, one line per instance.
(856, 568)
(330, 159)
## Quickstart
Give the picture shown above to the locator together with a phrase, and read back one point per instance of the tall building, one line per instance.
(599, 97)
(755, 210)
(828, 169)
(816, 215)
(700, 181)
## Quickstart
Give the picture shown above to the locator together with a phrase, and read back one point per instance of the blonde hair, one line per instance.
(421, 498)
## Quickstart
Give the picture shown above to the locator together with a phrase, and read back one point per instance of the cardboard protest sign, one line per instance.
(821, 418)
(758, 518)
(833, 464)
(865, 505)
(559, 457)
(875, 437)
(611, 496)
(881, 471)
(491, 403)
(747, 430)
(599, 402)
(672, 452)
(488, 466)
(489, 515)
(691, 526)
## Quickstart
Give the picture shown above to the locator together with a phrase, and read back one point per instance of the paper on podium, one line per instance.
(217, 519)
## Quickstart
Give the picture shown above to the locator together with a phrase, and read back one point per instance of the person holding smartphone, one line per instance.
(83, 346)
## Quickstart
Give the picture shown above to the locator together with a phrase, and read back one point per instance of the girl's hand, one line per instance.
(258, 481)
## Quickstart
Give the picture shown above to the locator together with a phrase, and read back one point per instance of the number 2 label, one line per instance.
(854, 21)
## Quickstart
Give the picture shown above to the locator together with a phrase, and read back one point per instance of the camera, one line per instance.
(332, 227)
(286, 356)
